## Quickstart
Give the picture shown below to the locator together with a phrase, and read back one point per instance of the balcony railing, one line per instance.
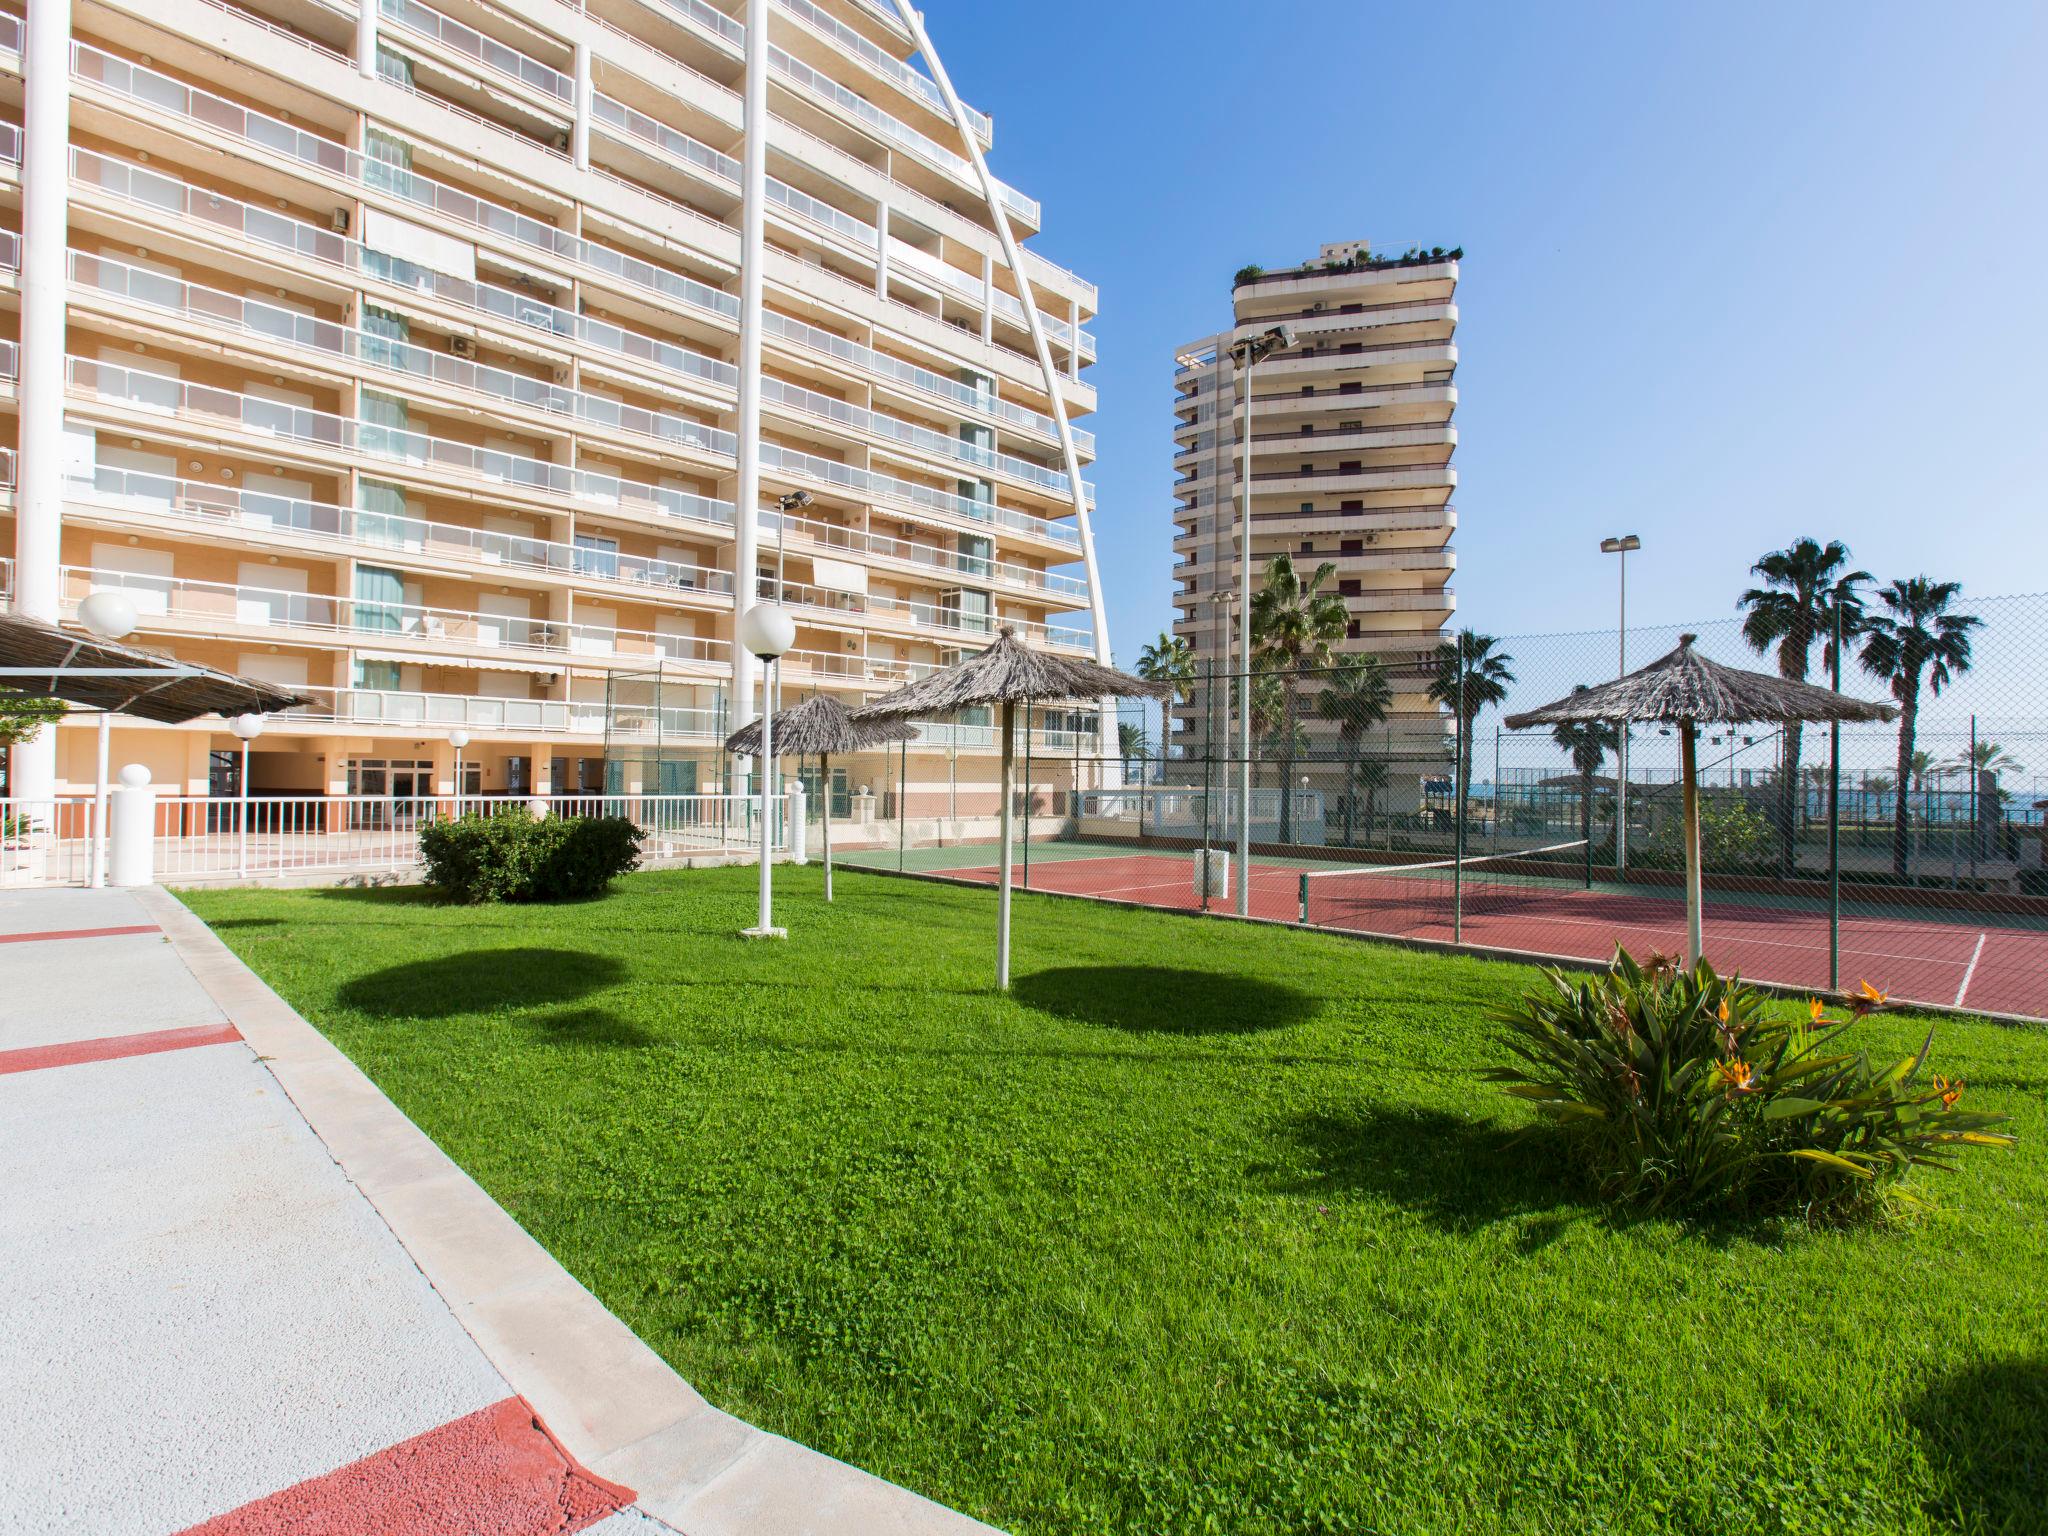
(930, 498)
(170, 396)
(898, 132)
(10, 143)
(229, 507)
(886, 64)
(805, 531)
(10, 251)
(924, 439)
(177, 601)
(472, 44)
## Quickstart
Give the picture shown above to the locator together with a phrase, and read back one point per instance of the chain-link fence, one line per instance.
(1387, 795)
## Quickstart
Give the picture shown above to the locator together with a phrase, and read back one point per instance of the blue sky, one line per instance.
(1734, 272)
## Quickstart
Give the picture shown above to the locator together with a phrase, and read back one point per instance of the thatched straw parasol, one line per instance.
(1687, 690)
(1008, 673)
(820, 727)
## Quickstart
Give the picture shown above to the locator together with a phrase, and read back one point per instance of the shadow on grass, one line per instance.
(1459, 1174)
(480, 981)
(1164, 999)
(1985, 1432)
(589, 1026)
(381, 895)
(245, 922)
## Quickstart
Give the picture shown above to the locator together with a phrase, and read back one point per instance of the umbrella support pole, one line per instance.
(1689, 771)
(825, 794)
(1003, 882)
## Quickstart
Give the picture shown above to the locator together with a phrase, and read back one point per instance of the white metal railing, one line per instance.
(231, 507)
(896, 131)
(885, 64)
(10, 143)
(10, 32)
(177, 601)
(888, 488)
(200, 837)
(972, 288)
(952, 562)
(10, 251)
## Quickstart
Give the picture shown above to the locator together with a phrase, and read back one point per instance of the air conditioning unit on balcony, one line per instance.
(462, 346)
(338, 221)
(1372, 538)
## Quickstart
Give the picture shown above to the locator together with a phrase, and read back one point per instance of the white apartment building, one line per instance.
(390, 352)
(1351, 443)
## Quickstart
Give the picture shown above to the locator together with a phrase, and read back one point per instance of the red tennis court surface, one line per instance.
(1955, 962)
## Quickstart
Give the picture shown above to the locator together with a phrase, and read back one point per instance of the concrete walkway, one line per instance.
(244, 1294)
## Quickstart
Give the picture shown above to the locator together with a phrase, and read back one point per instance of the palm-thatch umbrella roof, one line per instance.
(1685, 686)
(1008, 673)
(1687, 690)
(819, 727)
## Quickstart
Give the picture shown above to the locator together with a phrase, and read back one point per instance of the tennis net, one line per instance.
(1433, 898)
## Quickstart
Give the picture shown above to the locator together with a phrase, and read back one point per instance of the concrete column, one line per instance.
(747, 493)
(579, 135)
(1074, 350)
(131, 856)
(45, 215)
(366, 38)
(988, 297)
(882, 250)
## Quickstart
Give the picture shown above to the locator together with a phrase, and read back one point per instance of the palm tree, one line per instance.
(1470, 676)
(1294, 626)
(1356, 698)
(1916, 639)
(1370, 775)
(1169, 659)
(1588, 742)
(1130, 741)
(1804, 588)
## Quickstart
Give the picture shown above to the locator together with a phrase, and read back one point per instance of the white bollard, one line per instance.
(799, 839)
(131, 844)
(1212, 873)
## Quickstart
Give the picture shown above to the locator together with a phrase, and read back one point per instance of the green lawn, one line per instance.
(1207, 1228)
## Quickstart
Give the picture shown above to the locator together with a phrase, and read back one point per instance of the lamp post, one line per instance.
(786, 503)
(248, 728)
(1623, 546)
(767, 632)
(458, 740)
(107, 616)
(1247, 354)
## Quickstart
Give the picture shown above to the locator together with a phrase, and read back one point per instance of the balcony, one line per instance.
(179, 605)
(269, 422)
(887, 65)
(231, 513)
(804, 534)
(488, 52)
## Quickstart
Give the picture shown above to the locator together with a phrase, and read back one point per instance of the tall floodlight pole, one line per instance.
(1247, 354)
(458, 740)
(1622, 546)
(747, 492)
(767, 632)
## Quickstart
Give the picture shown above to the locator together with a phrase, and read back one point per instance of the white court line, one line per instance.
(1975, 955)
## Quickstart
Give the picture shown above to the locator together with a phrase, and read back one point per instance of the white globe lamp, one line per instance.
(108, 615)
(767, 631)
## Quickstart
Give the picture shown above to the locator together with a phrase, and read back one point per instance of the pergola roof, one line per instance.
(48, 662)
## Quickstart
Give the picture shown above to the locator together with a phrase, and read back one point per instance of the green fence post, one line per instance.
(1835, 825)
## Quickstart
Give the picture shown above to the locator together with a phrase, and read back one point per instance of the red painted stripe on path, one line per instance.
(495, 1472)
(71, 1053)
(76, 933)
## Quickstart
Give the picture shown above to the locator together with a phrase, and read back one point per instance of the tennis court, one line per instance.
(1930, 956)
